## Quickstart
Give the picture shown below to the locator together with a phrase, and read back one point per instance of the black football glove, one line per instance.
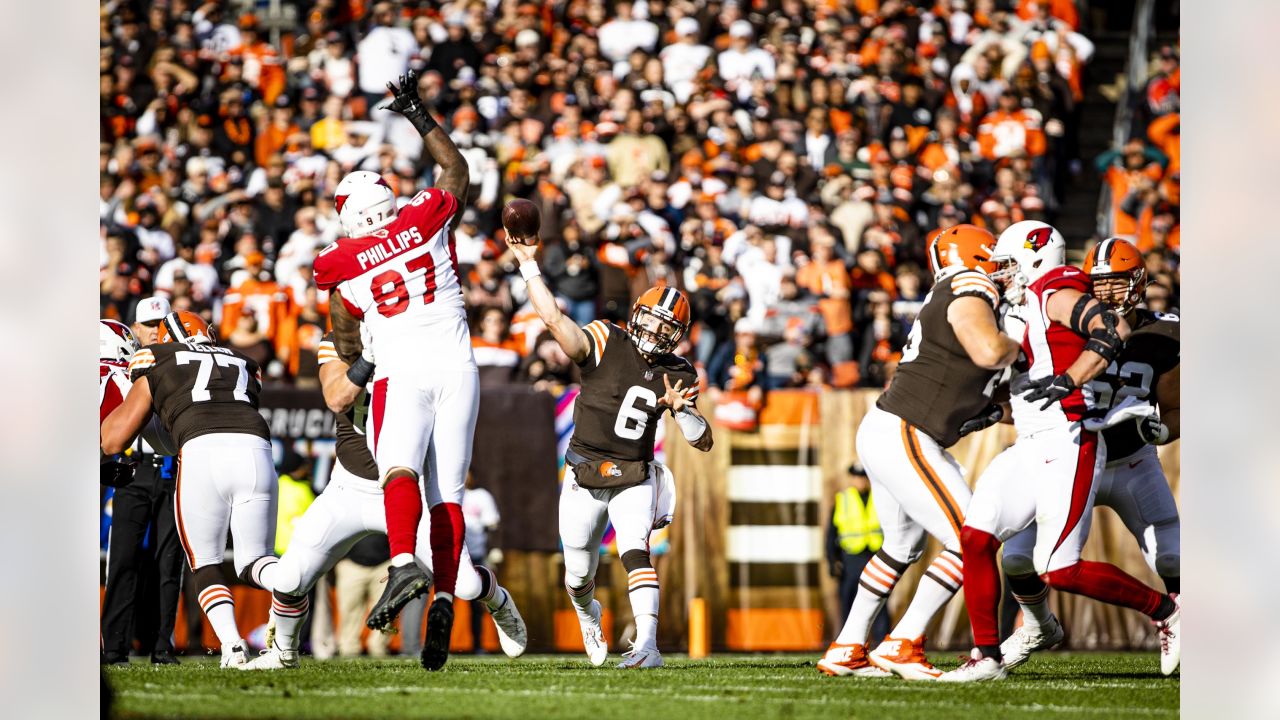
(116, 472)
(408, 104)
(1152, 431)
(991, 415)
(1051, 389)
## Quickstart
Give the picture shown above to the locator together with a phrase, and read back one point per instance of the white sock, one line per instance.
(642, 588)
(497, 598)
(647, 630)
(402, 559)
(877, 581)
(289, 619)
(444, 596)
(1035, 608)
(218, 606)
(582, 597)
(940, 582)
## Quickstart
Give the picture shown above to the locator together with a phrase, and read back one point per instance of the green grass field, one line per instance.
(737, 687)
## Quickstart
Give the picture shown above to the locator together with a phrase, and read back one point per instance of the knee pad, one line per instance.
(577, 569)
(1018, 563)
(636, 560)
(289, 579)
(468, 585)
(1168, 564)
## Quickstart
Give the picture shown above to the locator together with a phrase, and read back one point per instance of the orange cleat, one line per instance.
(904, 658)
(842, 660)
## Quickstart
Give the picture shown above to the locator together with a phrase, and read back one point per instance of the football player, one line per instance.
(207, 397)
(396, 271)
(350, 508)
(1048, 475)
(1142, 379)
(629, 378)
(942, 390)
(116, 344)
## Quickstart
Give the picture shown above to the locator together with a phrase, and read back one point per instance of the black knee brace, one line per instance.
(634, 560)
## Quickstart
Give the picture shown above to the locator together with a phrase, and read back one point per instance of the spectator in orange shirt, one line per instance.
(1011, 128)
(498, 355)
(1064, 10)
(826, 278)
(280, 134)
(266, 301)
(262, 66)
(1136, 163)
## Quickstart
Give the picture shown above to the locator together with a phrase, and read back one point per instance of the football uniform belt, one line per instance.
(601, 474)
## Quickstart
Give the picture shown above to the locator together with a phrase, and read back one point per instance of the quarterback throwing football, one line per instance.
(629, 378)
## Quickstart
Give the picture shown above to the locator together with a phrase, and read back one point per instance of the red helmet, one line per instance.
(659, 318)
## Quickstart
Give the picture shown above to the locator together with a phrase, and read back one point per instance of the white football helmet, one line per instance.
(1024, 252)
(364, 203)
(115, 341)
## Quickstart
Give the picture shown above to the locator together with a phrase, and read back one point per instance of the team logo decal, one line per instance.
(1038, 238)
(608, 469)
(648, 374)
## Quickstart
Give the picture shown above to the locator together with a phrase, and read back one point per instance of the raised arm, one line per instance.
(122, 426)
(572, 339)
(455, 176)
(346, 329)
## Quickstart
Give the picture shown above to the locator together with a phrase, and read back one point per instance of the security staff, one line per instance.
(144, 557)
(853, 537)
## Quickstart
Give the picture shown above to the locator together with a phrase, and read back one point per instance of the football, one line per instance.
(522, 220)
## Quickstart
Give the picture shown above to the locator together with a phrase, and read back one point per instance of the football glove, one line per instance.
(991, 415)
(1152, 431)
(407, 103)
(117, 471)
(1050, 389)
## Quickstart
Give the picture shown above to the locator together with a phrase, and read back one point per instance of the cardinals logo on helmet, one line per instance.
(1038, 238)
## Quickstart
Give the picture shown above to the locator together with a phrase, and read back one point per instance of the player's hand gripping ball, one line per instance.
(522, 220)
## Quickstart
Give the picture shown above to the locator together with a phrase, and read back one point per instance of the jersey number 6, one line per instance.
(632, 420)
(391, 296)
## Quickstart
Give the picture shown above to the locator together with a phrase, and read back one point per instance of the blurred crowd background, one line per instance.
(779, 160)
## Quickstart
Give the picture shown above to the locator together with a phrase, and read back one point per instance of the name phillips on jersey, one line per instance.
(389, 247)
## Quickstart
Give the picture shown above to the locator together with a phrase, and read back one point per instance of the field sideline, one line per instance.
(725, 687)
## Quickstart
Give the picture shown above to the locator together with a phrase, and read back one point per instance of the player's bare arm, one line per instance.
(124, 423)
(455, 176)
(339, 392)
(572, 339)
(1168, 399)
(976, 329)
(346, 329)
(1085, 316)
(681, 408)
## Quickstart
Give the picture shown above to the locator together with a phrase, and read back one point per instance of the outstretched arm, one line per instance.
(693, 426)
(572, 339)
(455, 176)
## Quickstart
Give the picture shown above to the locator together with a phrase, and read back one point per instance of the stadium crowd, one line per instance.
(780, 160)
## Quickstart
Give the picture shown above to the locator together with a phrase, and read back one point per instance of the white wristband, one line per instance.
(692, 426)
(529, 270)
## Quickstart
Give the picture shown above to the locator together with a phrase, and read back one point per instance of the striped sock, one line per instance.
(877, 580)
(220, 608)
(581, 597)
(289, 612)
(493, 595)
(941, 580)
(642, 588)
(262, 572)
(1032, 595)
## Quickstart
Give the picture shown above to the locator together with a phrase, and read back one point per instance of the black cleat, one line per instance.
(163, 658)
(435, 651)
(403, 584)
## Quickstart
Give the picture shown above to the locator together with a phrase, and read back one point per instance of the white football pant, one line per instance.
(226, 480)
(584, 514)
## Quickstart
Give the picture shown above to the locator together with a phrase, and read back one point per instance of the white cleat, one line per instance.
(1170, 639)
(1027, 639)
(976, 669)
(592, 636)
(273, 659)
(235, 654)
(639, 658)
(512, 635)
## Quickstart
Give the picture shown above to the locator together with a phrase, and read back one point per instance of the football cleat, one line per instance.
(1170, 639)
(639, 658)
(512, 634)
(592, 636)
(904, 658)
(842, 660)
(235, 654)
(1028, 639)
(404, 583)
(273, 659)
(435, 649)
(976, 669)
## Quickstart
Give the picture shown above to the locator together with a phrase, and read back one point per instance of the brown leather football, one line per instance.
(522, 219)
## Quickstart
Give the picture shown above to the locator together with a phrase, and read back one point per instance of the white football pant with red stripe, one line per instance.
(426, 421)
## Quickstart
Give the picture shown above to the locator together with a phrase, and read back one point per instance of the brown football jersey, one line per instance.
(1153, 349)
(352, 445)
(199, 389)
(937, 387)
(616, 413)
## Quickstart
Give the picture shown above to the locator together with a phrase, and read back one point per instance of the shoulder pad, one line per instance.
(1066, 277)
(977, 284)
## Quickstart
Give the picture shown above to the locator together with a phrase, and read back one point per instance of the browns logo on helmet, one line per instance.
(184, 326)
(966, 246)
(659, 318)
(1118, 273)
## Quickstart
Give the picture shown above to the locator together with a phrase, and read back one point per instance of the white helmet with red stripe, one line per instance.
(115, 341)
(365, 202)
(1024, 252)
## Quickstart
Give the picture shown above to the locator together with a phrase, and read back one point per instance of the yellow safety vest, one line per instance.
(857, 524)
(294, 499)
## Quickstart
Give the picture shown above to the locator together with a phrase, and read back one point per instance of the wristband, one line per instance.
(529, 270)
(360, 372)
(691, 426)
